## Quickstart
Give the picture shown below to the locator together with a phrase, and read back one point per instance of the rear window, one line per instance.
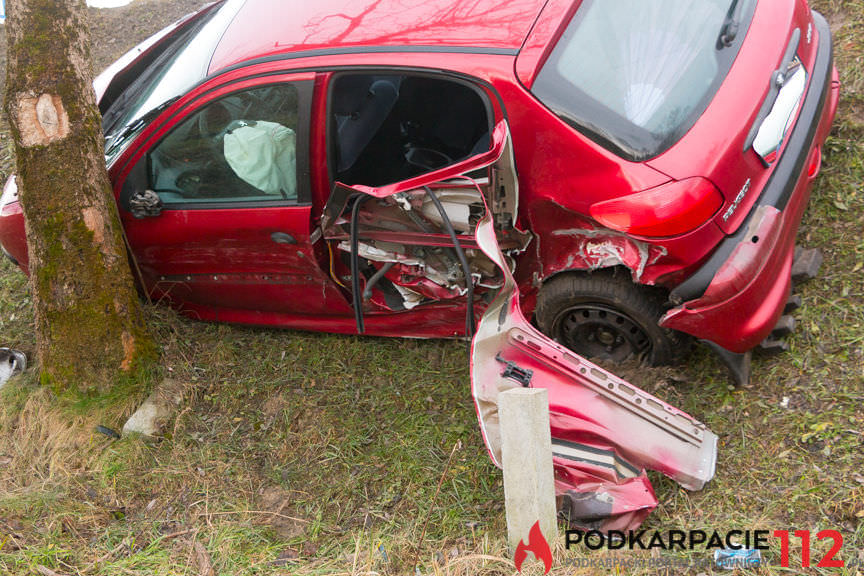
(635, 76)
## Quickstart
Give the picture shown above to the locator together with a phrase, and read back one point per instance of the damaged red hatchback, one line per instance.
(629, 175)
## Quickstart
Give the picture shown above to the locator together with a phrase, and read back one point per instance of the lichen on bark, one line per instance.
(89, 323)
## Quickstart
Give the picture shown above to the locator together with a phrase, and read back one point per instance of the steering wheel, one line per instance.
(427, 158)
(192, 182)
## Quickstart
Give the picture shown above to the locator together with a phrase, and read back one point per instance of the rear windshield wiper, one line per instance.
(730, 25)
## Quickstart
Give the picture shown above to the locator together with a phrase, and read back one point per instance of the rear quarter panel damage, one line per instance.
(567, 241)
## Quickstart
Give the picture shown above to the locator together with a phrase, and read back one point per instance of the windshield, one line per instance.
(635, 75)
(175, 70)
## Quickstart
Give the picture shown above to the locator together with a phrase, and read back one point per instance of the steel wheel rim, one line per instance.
(595, 330)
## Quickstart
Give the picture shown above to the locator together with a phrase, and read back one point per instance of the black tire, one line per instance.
(605, 315)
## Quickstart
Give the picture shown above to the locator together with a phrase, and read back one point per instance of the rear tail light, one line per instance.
(666, 210)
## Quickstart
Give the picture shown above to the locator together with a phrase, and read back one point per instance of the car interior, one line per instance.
(241, 147)
(387, 128)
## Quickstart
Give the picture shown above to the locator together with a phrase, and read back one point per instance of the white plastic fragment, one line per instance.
(11, 363)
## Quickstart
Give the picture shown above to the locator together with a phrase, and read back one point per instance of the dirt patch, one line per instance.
(275, 504)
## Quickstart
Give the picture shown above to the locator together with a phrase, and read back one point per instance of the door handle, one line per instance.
(283, 238)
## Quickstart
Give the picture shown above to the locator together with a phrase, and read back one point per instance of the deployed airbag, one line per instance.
(263, 154)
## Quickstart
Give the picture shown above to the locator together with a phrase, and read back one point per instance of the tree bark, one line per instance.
(90, 329)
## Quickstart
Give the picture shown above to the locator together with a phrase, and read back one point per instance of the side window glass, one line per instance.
(388, 128)
(239, 148)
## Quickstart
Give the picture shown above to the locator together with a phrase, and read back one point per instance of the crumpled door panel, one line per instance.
(605, 431)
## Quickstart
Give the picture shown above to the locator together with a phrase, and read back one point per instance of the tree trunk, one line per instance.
(89, 326)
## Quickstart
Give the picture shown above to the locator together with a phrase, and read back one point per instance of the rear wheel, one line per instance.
(605, 315)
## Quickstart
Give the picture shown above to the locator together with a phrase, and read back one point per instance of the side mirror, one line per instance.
(145, 204)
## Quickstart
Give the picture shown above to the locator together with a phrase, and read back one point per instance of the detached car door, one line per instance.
(216, 204)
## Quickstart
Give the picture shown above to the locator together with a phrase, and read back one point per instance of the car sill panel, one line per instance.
(605, 431)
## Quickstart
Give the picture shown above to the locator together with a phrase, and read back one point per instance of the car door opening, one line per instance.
(388, 127)
(413, 245)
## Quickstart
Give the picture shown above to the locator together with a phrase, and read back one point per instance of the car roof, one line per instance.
(265, 28)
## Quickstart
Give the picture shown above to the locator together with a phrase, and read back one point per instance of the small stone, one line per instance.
(151, 417)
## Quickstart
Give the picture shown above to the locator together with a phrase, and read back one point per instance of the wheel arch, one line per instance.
(618, 270)
(612, 286)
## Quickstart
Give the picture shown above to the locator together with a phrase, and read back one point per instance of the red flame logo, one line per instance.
(537, 545)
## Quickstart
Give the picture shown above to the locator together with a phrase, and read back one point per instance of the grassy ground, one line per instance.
(316, 454)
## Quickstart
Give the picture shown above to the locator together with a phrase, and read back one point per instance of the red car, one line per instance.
(643, 168)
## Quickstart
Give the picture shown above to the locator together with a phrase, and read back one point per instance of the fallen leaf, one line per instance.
(285, 557)
(820, 427)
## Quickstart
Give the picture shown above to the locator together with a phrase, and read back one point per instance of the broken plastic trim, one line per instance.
(11, 363)
(515, 372)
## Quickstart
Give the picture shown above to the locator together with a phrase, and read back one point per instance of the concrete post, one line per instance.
(526, 457)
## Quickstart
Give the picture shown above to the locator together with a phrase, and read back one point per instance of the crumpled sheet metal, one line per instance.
(594, 249)
(568, 241)
(605, 432)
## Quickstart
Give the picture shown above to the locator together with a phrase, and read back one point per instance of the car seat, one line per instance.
(361, 104)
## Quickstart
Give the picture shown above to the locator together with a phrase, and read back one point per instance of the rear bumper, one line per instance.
(737, 296)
